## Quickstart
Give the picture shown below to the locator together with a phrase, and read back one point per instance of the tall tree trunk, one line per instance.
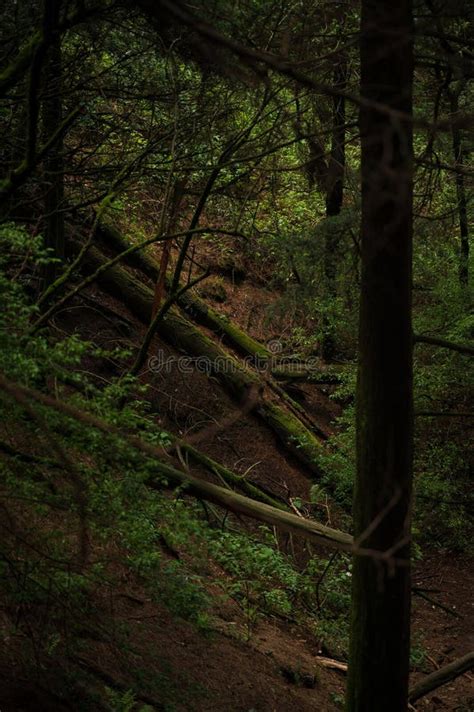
(334, 197)
(461, 194)
(54, 164)
(380, 625)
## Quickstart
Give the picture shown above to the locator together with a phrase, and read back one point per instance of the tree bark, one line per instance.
(54, 164)
(286, 521)
(176, 198)
(460, 192)
(380, 616)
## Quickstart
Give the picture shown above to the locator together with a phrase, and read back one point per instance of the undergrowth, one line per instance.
(79, 518)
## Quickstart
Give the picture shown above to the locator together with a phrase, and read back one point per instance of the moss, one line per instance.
(231, 477)
(238, 339)
(210, 356)
(297, 438)
(214, 289)
(191, 303)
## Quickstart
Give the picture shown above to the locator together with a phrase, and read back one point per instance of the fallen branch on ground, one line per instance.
(441, 677)
(226, 498)
(331, 664)
(444, 344)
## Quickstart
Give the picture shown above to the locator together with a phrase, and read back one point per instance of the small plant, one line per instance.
(262, 578)
(125, 701)
(338, 699)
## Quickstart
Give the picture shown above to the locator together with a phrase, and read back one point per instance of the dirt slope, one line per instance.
(182, 668)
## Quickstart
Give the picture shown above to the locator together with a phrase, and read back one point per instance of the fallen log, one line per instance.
(466, 349)
(230, 477)
(441, 677)
(170, 476)
(191, 303)
(331, 664)
(210, 357)
(255, 353)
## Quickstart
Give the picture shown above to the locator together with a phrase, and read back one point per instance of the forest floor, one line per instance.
(272, 667)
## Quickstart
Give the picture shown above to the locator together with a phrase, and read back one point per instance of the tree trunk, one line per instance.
(334, 197)
(461, 194)
(380, 618)
(176, 198)
(54, 164)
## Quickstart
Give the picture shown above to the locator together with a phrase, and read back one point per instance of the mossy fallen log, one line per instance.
(230, 477)
(210, 357)
(166, 475)
(190, 303)
(254, 352)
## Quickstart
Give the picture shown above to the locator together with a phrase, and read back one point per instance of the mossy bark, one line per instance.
(255, 353)
(231, 478)
(286, 521)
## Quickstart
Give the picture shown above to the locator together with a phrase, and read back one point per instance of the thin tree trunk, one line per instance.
(334, 198)
(160, 286)
(461, 194)
(54, 164)
(380, 618)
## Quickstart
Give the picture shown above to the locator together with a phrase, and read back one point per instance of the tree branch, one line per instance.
(444, 344)
(441, 677)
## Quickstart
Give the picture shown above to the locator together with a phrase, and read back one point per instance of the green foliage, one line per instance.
(266, 582)
(154, 114)
(338, 699)
(121, 515)
(262, 579)
(443, 498)
(72, 487)
(124, 701)
(418, 655)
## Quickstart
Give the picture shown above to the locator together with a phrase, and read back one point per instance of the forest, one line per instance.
(236, 355)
